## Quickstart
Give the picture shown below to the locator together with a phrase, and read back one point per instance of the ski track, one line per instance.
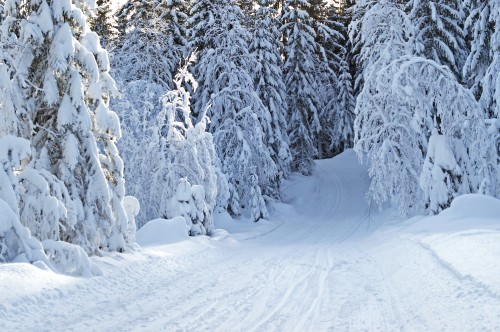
(312, 272)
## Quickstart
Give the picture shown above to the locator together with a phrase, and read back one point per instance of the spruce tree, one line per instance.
(268, 76)
(240, 122)
(337, 98)
(439, 33)
(65, 85)
(300, 79)
(479, 27)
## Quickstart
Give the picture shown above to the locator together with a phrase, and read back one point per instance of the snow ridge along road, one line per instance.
(325, 262)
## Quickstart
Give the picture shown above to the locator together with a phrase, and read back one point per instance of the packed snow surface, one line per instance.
(326, 260)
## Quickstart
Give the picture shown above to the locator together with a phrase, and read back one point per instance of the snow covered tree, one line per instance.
(357, 11)
(439, 32)
(16, 242)
(300, 79)
(62, 74)
(490, 90)
(266, 47)
(240, 122)
(248, 7)
(151, 45)
(380, 36)
(152, 41)
(175, 149)
(480, 26)
(1, 10)
(192, 156)
(398, 109)
(337, 111)
(482, 67)
(103, 22)
(341, 130)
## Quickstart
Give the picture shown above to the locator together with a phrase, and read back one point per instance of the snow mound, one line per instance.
(466, 212)
(473, 206)
(162, 231)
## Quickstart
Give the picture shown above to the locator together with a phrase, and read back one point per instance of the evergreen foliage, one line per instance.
(439, 32)
(241, 124)
(299, 70)
(67, 120)
(266, 47)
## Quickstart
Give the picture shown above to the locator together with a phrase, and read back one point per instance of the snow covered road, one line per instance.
(325, 262)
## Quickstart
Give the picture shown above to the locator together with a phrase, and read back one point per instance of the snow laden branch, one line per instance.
(400, 107)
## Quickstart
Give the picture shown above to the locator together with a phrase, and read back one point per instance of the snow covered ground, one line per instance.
(325, 261)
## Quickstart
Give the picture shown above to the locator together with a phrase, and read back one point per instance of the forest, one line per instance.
(113, 114)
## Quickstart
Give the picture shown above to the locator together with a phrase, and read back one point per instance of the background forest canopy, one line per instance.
(194, 107)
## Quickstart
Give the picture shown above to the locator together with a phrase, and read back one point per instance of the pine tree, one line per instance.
(65, 85)
(439, 32)
(240, 122)
(266, 47)
(248, 7)
(300, 70)
(30, 197)
(2, 4)
(483, 63)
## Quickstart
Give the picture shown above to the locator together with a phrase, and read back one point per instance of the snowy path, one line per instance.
(327, 266)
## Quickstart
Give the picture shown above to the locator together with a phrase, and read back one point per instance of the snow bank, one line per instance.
(466, 212)
(162, 231)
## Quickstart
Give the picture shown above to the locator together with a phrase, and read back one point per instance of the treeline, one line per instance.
(273, 78)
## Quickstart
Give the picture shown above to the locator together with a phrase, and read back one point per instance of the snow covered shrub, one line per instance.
(132, 208)
(441, 174)
(191, 153)
(257, 205)
(397, 111)
(70, 259)
(189, 202)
